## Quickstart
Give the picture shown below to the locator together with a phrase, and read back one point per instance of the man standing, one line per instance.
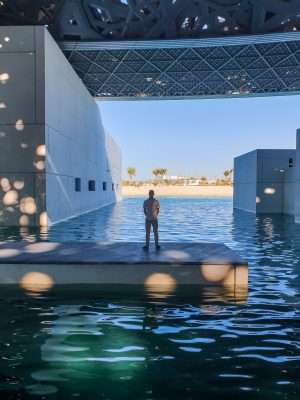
(151, 211)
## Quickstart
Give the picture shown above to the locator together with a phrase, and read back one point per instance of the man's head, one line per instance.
(151, 194)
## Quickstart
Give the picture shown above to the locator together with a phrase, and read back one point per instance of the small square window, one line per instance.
(104, 186)
(77, 185)
(92, 186)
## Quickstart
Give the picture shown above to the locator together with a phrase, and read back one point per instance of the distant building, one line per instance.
(268, 181)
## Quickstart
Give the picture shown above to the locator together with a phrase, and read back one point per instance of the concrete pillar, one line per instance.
(297, 180)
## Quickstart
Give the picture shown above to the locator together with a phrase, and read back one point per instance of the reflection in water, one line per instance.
(211, 343)
(88, 341)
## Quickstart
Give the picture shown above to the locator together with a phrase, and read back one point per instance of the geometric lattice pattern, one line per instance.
(163, 71)
(168, 19)
(234, 70)
(152, 19)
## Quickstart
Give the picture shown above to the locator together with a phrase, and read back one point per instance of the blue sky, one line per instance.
(198, 137)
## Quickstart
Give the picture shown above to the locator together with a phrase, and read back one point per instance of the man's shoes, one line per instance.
(146, 248)
(157, 247)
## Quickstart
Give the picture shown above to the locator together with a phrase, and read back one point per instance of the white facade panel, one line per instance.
(297, 180)
(272, 186)
(76, 143)
(245, 181)
(51, 134)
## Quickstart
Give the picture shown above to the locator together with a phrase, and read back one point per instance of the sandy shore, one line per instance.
(179, 191)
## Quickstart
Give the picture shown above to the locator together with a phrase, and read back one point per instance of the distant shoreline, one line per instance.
(178, 191)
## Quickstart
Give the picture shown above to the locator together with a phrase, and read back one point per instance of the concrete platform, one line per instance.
(121, 263)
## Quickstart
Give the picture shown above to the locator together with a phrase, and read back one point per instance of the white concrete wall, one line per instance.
(245, 182)
(289, 190)
(264, 183)
(22, 130)
(50, 133)
(273, 188)
(297, 180)
(76, 142)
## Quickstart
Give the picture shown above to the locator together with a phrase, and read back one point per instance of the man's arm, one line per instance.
(157, 206)
(145, 210)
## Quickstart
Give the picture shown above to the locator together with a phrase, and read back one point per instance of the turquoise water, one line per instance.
(96, 344)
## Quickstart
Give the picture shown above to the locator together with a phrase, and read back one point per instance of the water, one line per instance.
(180, 220)
(96, 344)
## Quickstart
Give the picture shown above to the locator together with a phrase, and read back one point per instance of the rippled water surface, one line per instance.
(93, 343)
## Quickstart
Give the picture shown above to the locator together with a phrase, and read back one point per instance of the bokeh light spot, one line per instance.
(41, 150)
(43, 220)
(19, 125)
(24, 220)
(28, 205)
(36, 282)
(10, 198)
(214, 273)
(19, 185)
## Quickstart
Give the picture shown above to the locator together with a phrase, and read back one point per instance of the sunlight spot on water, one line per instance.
(48, 375)
(194, 340)
(115, 359)
(36, 282)
(190, 349)
(125, 349)
(236, 376)
(41, 390)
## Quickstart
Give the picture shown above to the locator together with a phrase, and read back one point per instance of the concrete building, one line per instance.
(268, 181)
(297, 180)
(56, 160)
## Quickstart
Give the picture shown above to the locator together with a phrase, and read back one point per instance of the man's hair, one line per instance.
(151, 193)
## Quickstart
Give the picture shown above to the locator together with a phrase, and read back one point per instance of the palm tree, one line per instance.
(203, 179)
(155, 172)
(159, 172)
(227, 174)
(131, 172)
(163, 172)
